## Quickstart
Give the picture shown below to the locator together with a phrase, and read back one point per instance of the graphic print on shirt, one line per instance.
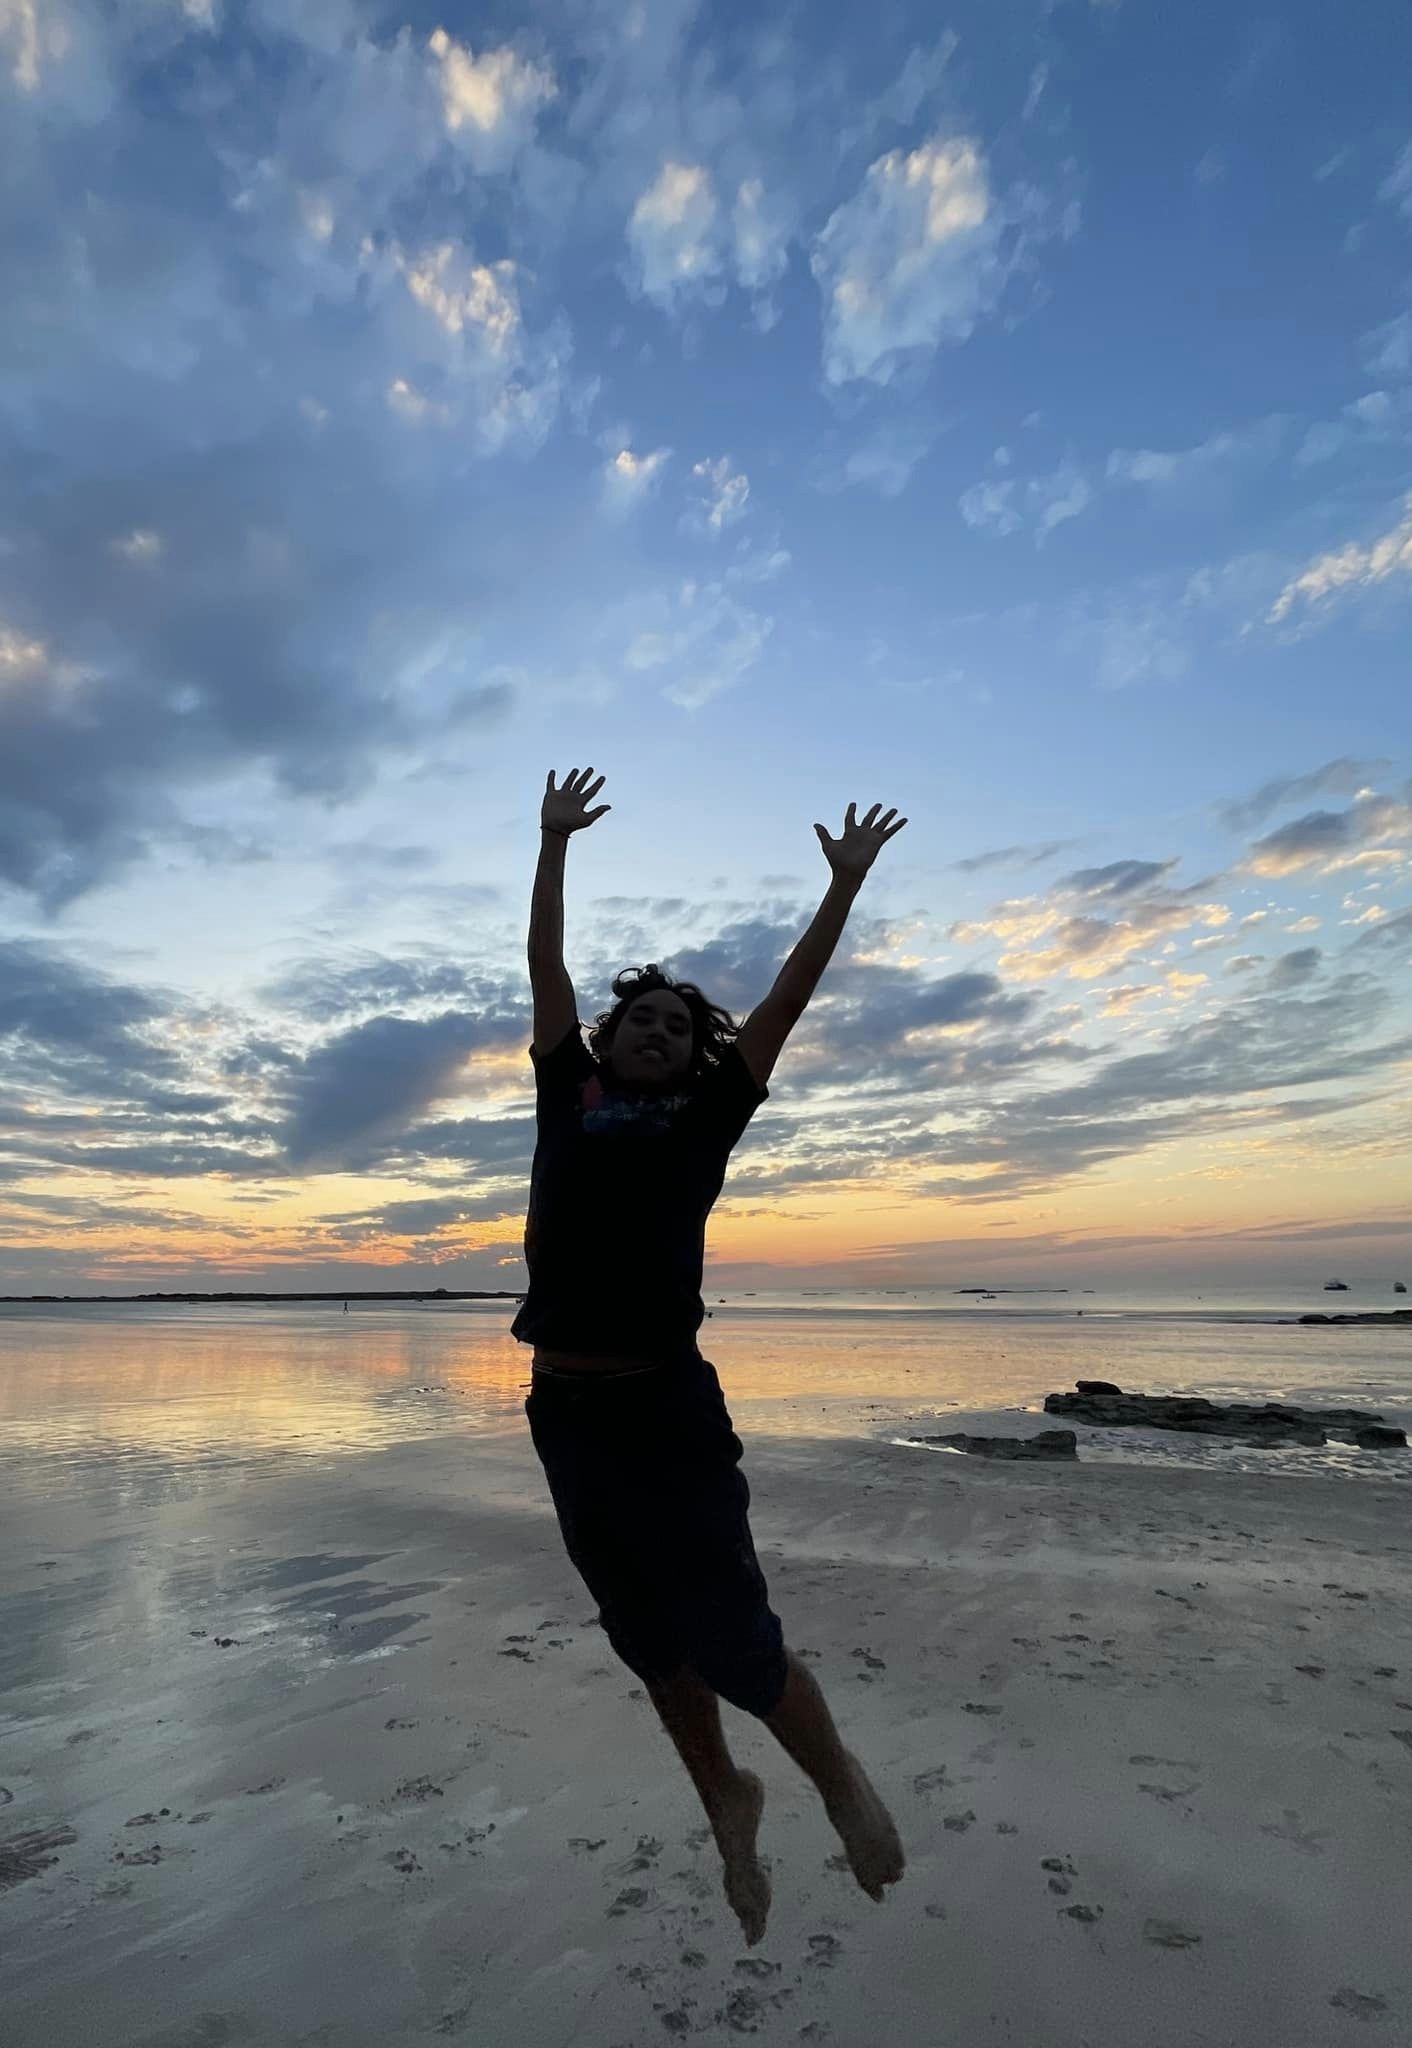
(601, 1112)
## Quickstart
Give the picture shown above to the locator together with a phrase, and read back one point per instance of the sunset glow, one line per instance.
(772, 420)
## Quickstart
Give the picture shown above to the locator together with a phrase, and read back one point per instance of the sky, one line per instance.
(1000, 412)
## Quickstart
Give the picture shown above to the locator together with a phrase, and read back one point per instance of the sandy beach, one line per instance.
(339, 1757)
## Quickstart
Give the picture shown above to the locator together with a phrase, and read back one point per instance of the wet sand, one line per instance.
(337, 1755)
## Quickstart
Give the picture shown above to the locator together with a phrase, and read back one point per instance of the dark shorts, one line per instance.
(644, 1470)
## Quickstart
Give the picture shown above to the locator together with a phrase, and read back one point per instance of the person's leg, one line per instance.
(733, 1798)
(803, 1725)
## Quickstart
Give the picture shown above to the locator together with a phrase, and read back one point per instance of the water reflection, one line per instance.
(123, 1405)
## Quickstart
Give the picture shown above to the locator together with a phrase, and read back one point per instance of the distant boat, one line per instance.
(1399, 1286)
(1335, 1287)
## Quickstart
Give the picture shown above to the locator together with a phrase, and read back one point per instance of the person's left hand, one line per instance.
(854, 851)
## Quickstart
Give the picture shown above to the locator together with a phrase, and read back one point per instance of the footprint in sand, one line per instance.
(957, 1823)
(1087, 1915)
(873, 1663)
(642, 1858)
(583, 1842)
(930, 1781)
(1359, 2005)
(418, 1790)
(1166, 1934)
(1169, 1793)
(627, 1902)
(744, 2010)
(975, 1707)
(824, 1950)
(1298, 1837)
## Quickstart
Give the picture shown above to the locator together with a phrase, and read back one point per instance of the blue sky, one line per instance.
(1001, 413)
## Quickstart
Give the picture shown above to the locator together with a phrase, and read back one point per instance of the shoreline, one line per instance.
(425, 1295)
(966, 1312)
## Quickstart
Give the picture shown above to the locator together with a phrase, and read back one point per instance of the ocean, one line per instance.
(109, 1401)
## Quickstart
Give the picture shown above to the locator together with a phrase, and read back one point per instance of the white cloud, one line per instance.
(1067, 494)
(674, 234)
(475, 366)
(1377, 418)
(489, 103)
(140, 546)
(1005, 506)
(629, 478)
(461, 293)
(1389, 555)
(725, 493)
(1128, 640)
(886, 459)
(990, 507)
(1156, 467)
(704, 637)
(759, 565)
(36, 35)
(1397, 185)
(1322, 441)
(912, 260)
(760, 231)
(410, 404)
(1387, 350)
(19, 655)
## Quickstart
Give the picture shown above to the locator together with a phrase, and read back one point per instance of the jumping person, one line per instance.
(634, 1132)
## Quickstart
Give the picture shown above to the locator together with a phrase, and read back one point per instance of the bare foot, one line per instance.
(866, 1829)
(735, 1829)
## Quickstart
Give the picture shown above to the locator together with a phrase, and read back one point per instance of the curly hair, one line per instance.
(712, 1028)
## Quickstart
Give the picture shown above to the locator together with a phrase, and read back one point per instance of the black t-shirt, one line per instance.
(620, 1189)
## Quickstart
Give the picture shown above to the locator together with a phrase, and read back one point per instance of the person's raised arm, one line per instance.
(849, 857)
(561, 814)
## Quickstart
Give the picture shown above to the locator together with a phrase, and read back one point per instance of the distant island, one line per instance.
(337, 1294)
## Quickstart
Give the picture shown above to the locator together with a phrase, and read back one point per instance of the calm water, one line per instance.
(118, 1403)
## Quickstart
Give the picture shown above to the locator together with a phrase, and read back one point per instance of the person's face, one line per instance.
(652, 1045)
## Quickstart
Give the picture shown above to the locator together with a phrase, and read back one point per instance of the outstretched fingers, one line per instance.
(873, 823)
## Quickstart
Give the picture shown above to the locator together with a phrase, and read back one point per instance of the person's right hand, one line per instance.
(563, 809)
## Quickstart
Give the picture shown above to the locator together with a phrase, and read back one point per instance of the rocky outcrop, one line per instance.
(1050, 1443)
(1271, 1425)
(1367, 1315)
